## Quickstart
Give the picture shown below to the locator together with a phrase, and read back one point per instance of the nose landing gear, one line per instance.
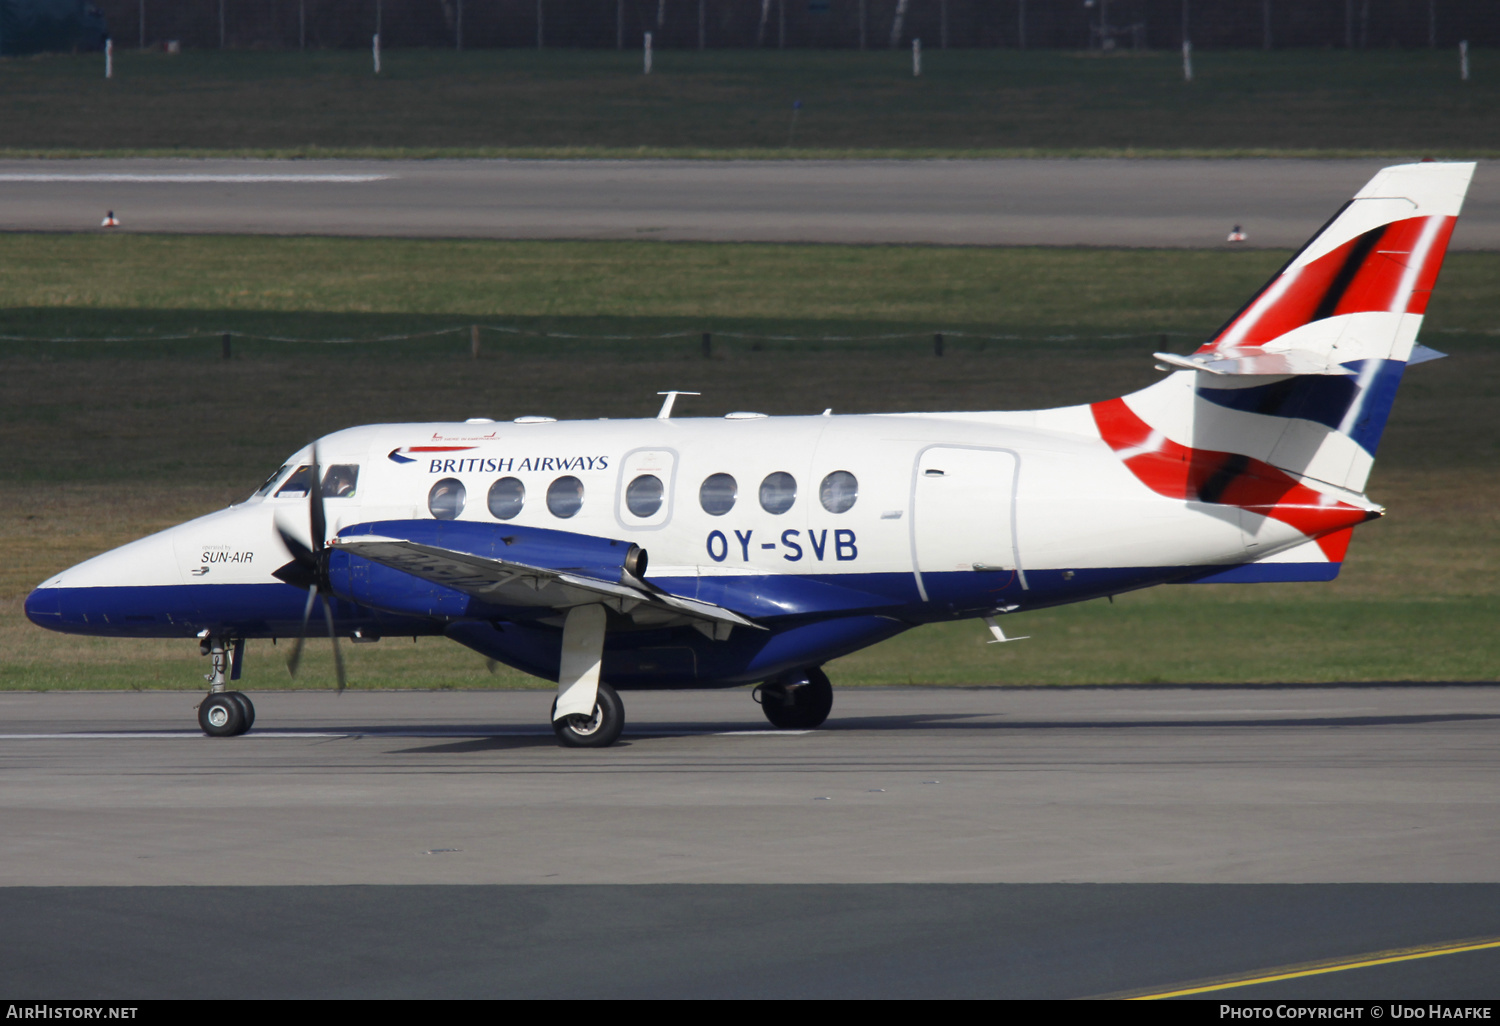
(224, 713)
(800, 700)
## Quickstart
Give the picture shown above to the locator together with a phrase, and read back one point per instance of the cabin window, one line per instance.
(643, 495)
(838, 492)
(565, 497)
(265, 489)
(507, 496)
(718, 494)
(446, 500)
(777, 492)
(339, 480)
(297, 485)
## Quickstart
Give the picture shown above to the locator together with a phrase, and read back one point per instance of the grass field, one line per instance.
(107, 441)
(739, 102)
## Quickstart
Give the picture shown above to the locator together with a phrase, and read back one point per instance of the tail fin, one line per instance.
(1303, 376)
(1281, 411)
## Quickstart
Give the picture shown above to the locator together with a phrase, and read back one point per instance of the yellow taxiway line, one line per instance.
(1331, 965)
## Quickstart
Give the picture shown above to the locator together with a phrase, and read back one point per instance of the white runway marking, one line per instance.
(457, 735)
(244, 179)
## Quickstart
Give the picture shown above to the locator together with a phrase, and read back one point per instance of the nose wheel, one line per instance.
(796, 701)
(226, 714)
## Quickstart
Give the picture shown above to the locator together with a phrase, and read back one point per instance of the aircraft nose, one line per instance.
(44, 608)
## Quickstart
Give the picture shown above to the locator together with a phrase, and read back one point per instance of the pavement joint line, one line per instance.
(180, 178)
(157, 735)
(1331, 965)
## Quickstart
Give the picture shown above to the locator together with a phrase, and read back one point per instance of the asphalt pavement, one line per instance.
(1184, 203)
(926, 842)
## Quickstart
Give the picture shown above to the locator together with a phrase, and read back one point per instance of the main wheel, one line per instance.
(600, 730)
(247, 709)
(221, 716)
(797, 701)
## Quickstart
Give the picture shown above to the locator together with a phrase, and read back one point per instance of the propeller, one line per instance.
(309, 569)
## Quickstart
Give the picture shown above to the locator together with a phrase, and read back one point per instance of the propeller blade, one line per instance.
(301, 553)
(296, 656)
(338, 658)
(317, 516)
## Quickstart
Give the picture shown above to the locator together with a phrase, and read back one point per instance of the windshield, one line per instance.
(265, 489)
(296, 485)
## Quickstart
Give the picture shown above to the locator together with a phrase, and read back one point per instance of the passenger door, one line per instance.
(963, 509)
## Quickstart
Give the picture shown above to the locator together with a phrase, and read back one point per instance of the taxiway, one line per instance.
(1191, 203)
(927, 842)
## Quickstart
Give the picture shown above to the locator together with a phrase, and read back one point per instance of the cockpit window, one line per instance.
(296, 485)
(339, 480)
(265, 489)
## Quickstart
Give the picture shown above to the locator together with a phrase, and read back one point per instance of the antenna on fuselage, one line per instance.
(666, 406)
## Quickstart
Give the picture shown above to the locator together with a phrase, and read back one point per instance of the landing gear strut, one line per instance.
(224, 713)
(800, 700)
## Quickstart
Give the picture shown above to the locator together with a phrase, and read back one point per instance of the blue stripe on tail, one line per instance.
(1368, 391)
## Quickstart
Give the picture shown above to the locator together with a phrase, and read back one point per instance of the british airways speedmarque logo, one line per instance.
(399, 455)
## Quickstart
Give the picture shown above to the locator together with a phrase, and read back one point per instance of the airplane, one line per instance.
(779, 543)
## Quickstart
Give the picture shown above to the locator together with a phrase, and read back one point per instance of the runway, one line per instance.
(961, 842)
(1176, 203)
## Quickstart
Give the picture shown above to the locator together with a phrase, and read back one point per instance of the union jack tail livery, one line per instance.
(1280, 413)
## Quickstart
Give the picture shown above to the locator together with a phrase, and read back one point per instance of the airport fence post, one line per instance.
(224, 353)
(916, 58)
(473, 341)
(647, 46)
(375, 49)
(708, 345)
(937, 344)
(1187, 61)
(1463, 61)
(109, 57)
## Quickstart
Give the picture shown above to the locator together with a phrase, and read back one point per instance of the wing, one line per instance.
(505, 582)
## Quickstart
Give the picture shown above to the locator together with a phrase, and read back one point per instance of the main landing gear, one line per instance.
(598, 730)
(586, 713)
(224, 713)
(800, 700)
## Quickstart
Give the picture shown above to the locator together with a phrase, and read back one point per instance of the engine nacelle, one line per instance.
(394, 591)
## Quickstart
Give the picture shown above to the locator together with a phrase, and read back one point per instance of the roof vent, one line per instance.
(744, 415)
(480, 420)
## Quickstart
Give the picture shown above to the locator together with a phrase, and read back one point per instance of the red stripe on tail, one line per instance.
(1225, 478)
(1369, 273)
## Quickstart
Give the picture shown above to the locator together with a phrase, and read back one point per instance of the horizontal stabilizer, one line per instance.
(1254, 360)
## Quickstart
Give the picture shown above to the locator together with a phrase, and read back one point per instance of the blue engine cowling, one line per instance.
(381, 587)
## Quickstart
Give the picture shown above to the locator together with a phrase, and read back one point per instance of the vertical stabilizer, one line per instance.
(1280, 413)
(1304, 375)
